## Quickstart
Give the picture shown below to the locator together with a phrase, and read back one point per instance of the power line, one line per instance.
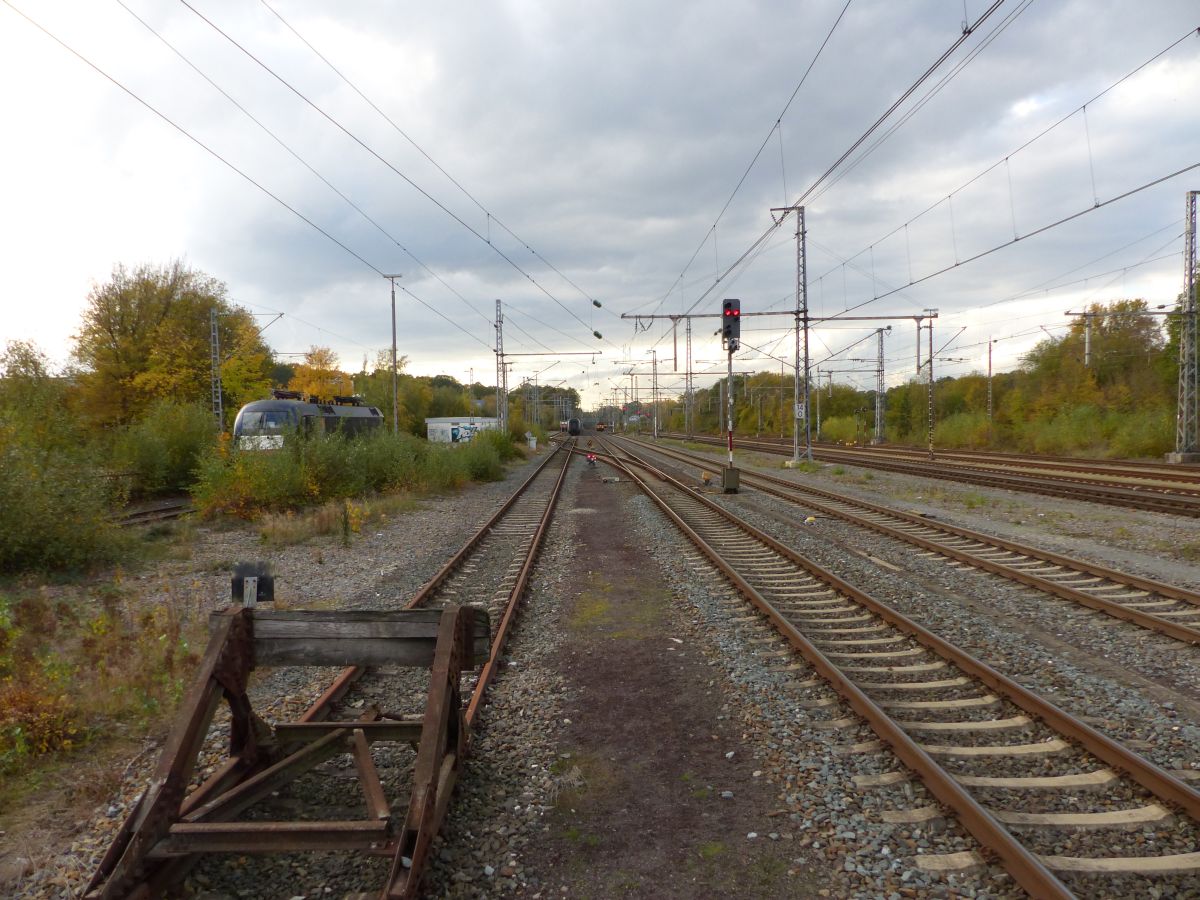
(187, 134)
(1034, 233)
(757, 154)
(966, 33)
(933, 92)
(300, 159)
(491, 216)
(219, 157)
(1005, 159)
(395, 170)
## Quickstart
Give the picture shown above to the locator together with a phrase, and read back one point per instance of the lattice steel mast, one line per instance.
(1187, 418)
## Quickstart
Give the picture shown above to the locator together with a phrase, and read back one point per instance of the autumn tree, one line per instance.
(34, 401)
(146, 336)
(319, 375)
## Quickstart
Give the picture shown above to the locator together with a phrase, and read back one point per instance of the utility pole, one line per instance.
(879, 387)
(819, 399)
(395, 377)
(1087, 334)
(802, 323)
(501, 373)
(928, 314)
(1187, 416)
(689, 413)
(991, 342)
(218, 411)
(929, 392)
(782, 376)
(654, 391)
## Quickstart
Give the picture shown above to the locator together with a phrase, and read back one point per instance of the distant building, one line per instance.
(457, 429)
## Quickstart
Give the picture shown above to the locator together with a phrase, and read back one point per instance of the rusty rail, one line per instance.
(788, 490)
(1184, 503)
(166, 830)
(1024, 866)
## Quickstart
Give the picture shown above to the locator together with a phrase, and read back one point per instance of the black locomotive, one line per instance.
(573, 426)
(262, 424)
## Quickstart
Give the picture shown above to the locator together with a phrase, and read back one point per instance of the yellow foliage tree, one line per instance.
(145, 336)
(319, 375)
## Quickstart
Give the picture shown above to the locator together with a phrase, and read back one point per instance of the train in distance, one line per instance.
(262, 424)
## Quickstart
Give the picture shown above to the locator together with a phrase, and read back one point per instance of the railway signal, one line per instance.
(731, 323)
(731, 331)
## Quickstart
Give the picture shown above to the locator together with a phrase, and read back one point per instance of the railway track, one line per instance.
(1131, 471)
(490, 572)
(1174, 499)
(1018, 772)
(1164, 608)
(159, 512)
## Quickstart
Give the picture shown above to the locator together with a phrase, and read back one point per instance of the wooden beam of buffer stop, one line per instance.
(170, 827)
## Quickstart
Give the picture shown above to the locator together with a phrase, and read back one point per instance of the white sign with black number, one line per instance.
(801, 412)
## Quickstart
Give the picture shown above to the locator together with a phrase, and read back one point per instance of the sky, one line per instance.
(559, 155)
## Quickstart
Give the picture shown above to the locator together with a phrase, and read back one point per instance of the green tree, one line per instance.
(145, 336)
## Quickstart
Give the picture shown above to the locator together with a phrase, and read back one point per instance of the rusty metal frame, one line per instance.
(168, 828)
(1024, 866)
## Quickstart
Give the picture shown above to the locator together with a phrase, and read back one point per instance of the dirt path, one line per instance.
(660, 797)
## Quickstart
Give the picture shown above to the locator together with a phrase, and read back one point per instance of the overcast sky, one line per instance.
(607, 137)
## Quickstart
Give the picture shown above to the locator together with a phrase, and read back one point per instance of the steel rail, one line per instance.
(1114, 486)
(232, 771)
(319, 709)
(512, 605)
(1157, 780)
(1134, 470)
(1150, 776)
(788, 490)
(1181, 504)
(1027, 870)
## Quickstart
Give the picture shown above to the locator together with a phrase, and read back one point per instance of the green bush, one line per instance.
(316, 470)
(1144, 433)
(481, 461)
(1072, 430)
(842, 429)
(968, 430)
(163, 449)
(54, 510)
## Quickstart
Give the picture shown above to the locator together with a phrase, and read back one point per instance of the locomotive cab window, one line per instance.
(270, 421)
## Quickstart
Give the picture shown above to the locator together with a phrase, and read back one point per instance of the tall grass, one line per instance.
(305, 472)
(54, 508)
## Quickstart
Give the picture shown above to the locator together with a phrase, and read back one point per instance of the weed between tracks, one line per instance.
(593, 612)
(340, 518)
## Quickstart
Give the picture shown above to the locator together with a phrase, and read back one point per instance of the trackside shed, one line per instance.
(456, 429)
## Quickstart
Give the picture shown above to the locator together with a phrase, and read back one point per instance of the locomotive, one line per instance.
(262, 424)
(573, 426)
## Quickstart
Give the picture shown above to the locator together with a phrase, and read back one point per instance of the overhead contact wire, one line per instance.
(278, 140)
(757, 154)
(449, 212)
(199, 143)
(967, 32)
(490, 215)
